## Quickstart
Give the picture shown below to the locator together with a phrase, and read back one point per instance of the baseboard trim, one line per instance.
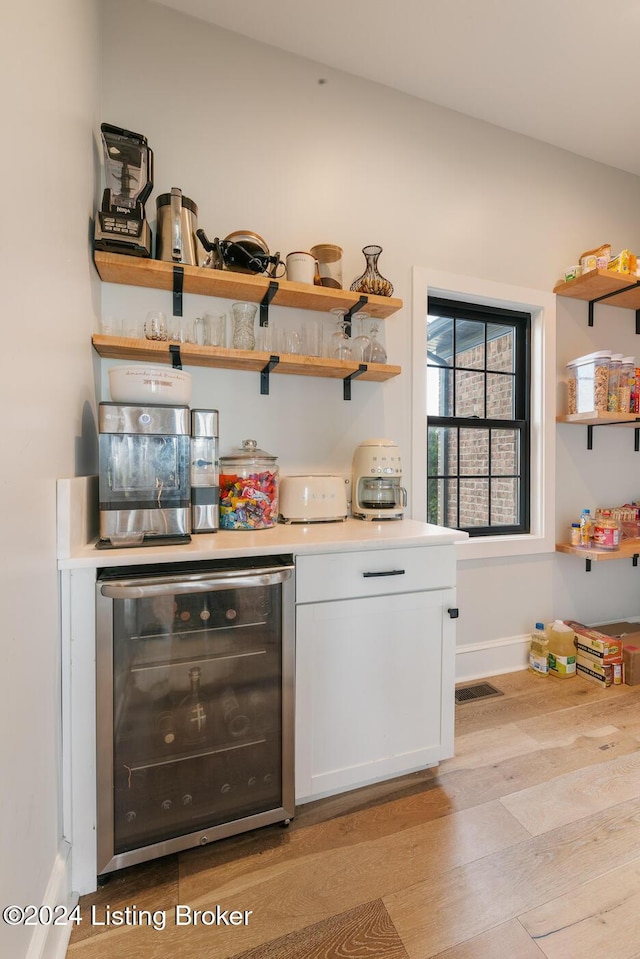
(51, 942)
(496, 656)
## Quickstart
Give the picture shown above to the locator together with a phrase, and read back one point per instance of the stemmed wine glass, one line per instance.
(375, 352)
(361, 342)
(339, 342)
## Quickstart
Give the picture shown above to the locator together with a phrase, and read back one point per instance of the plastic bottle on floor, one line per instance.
(539, 651)
(562, 650)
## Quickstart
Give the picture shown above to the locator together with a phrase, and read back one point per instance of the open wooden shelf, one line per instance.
(601, 419)
(153, 351)
(597, 283)
(628, 549)
(159, 275)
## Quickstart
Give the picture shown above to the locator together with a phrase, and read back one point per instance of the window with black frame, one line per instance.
(478, 409)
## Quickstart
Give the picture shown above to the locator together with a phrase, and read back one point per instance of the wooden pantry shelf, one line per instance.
(629, 549)
(618, 289)
(159, 275)
(601, 419)
(122, 348)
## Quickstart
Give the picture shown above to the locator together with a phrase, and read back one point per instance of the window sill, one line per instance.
(494, 547)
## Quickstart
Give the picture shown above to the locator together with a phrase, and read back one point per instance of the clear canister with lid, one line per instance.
(248, 488)
(572, 388)
(626, 384)
(606, 530)
(615, 366)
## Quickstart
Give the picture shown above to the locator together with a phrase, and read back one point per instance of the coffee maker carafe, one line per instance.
(377, 491)
(120, 225)
(144, 484)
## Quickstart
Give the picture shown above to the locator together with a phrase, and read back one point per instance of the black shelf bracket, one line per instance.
(353, 309)
(346, 383)
(606, 296)
(587, 565)
(264, 374)
(636, 432)
(176, 359)
(264, 305)
(178, 283)
(590, 437)
(634, 559)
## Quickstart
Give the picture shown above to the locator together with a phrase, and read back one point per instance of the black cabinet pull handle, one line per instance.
(386, 572)
(454, 612)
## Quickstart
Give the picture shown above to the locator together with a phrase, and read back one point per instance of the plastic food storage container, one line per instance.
(248, 488)
(613, 399)
(592, 381)
(572, 386)
(626, 384)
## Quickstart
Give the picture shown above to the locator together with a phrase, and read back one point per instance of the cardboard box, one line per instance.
(617, 629)
(595, 644)
(597, 672)
(631, 660)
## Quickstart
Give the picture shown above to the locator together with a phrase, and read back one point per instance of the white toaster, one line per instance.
(312, 499)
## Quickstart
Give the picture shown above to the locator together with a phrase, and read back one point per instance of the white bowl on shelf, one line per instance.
(161, 385)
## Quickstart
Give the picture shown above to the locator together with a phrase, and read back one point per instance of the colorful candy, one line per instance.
(248, 502)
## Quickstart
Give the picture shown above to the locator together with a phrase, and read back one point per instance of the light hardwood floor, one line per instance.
(526, 844)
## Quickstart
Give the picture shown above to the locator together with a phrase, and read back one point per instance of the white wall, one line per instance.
(258, 143)
(50, 79)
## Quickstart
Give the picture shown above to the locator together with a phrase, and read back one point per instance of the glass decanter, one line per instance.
(339, 342)
(375, 352)
(361, 342)
(372, 281)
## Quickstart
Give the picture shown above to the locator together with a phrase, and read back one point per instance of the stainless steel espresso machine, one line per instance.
(144, 482)
(377, 490)
(120, 224)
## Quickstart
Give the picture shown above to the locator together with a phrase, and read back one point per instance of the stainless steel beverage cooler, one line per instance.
(195, 704)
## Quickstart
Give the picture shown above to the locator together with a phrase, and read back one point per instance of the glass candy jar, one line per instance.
(248, 488)
(372, 280)
(243, 336)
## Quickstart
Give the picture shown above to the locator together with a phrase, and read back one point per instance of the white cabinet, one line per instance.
(374, 673)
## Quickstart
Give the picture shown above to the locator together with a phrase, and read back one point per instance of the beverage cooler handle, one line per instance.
(169, 585)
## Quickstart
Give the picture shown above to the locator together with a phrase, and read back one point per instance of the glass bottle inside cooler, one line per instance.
(193, 712)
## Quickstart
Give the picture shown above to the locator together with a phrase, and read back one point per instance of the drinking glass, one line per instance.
(339, 345)
(155, 326)
(361, 342)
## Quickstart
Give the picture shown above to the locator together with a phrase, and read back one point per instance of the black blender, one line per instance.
(120, 225)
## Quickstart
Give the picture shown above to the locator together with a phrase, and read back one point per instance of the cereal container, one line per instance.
(248, 488)
(615, 365)
(572, 387)
(627, 383)
(592, 381)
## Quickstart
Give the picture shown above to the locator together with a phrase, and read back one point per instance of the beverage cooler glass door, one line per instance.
(194, 705)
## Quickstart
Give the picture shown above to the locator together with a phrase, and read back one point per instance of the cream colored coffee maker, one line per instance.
(377, 490)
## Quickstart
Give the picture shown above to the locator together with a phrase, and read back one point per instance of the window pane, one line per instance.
(440, 339)
(469, 394)
(505, 454)
(474, 502)
(442, 451)
(439, 391)
(504, 502)
(474, 452)
(500, 396)
(470, 344)
(442, 496)
(501, 343)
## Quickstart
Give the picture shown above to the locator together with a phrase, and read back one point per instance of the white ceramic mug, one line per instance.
(301, 267)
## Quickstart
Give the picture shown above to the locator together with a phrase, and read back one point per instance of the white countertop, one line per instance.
(353, 534)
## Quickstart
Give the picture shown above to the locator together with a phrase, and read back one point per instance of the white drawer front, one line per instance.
(374, 572)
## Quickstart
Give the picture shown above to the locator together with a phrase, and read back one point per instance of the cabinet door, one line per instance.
(374, 689)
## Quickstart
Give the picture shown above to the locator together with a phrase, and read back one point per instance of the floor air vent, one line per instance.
(470, 694)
